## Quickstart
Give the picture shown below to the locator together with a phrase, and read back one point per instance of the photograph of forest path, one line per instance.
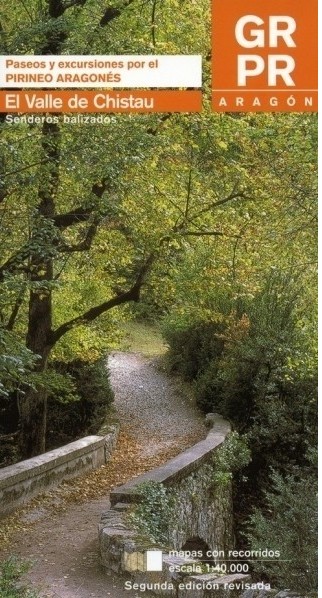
(198, 228)
(65, 562)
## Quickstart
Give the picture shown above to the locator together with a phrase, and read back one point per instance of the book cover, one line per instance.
(158, 259)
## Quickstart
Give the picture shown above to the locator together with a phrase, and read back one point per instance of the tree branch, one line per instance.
(62, 221)
(58, 7)
(75, 216)
(153, 25)
(133, 294)
(16, 308)
(201, 233)
(22, 168)
(26, 9)
(80, 214)
(14, 265)
(163, 119)
(220, 202)
(83, 245)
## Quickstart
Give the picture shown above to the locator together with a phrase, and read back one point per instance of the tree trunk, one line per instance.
(33, 418)
(33, 404)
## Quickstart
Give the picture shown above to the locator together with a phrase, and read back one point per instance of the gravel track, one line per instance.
(158, 409)
(159, 420)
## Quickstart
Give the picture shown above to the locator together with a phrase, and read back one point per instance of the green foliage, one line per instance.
(79, 396)
(11, 571)
(82, 412)
(288, 524)
(232, 456)
(16, 363)
(263, 377)
(264, 380)
(208, 388)
(192, 347)
(267, 379)
(90, 379)
(152, 516)
(214, 201)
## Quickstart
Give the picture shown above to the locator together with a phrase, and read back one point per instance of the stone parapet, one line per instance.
(178, 468)
(203, 512)
(26, 479)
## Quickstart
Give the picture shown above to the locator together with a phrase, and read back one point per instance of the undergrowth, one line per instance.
(11, 571)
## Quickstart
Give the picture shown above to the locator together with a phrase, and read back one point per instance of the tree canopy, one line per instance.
(179, 208)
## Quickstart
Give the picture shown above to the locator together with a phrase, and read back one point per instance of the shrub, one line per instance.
(264, 379)
(192, 347)
(71, 415)
(79, 394)
(11, 571)
(153, 515)
(288, 524)
(232, 456)
(261, 374)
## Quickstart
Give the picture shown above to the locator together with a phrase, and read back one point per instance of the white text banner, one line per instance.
(120, 71)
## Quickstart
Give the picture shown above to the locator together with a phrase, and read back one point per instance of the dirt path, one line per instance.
(59, 533)
(156, 408)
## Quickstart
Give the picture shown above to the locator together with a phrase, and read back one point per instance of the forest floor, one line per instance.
(57, 532)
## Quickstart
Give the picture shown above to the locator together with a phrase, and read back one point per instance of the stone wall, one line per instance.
(203, 511)
(25, 480)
